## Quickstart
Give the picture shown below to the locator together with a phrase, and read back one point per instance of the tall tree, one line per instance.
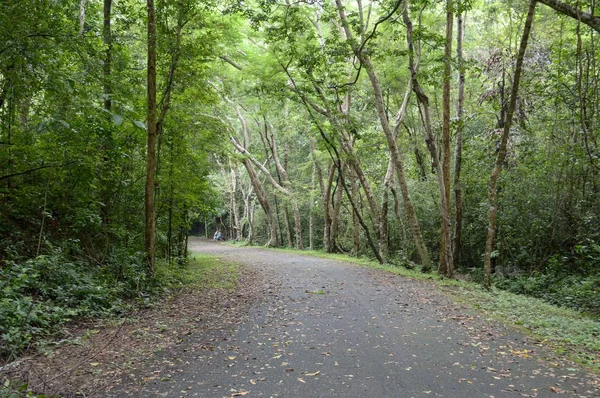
(458, 206)
(150, 213)
(489, 245)
(446, 263)
(388, 132)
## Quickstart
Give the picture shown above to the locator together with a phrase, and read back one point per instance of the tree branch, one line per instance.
(46, 166)
(566, 9)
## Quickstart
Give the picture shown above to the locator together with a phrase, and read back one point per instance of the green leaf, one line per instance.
(117, 119)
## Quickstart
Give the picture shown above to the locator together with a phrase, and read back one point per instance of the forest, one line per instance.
(459, 137)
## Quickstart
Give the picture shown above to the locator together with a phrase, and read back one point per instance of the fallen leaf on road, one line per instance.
(318, 372)
(301, 380)
(239, 394)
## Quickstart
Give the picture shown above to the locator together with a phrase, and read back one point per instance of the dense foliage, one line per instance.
(297, 78)
(73, 149)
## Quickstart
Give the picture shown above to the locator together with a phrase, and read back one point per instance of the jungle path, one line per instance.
(326, 328)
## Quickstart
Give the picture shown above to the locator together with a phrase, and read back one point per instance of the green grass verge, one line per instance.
(210, 272)
(566, 331)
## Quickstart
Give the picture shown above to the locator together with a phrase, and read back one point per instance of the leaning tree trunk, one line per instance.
(392, 144)
(263, 199)
(371, 200)
(489, 244)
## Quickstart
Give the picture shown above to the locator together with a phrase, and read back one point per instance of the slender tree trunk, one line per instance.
(459, 142)
(282, 174)
(297, 225)
(107, 35)
(425, 111)
(387, 186)
(394, 150)
(446, 263)
(106, 192)
(311, 210)
(170, 224)
(248, 209)
(150, 233)
(263, 199)
(335, 215)
(250, 238)
(489, 244)
(237, 222)
(355, 226)
(288, 229)
(81, 17)
(327, 211)
(371, 200)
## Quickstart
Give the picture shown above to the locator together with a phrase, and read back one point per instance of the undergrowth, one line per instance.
(39, 296)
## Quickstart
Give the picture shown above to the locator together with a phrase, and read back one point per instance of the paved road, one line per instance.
(333, 329)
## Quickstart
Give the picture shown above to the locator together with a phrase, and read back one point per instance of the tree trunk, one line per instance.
(355, 226)
(248, 214)
(327, 210)
(425, 111)
(459, 143)
(311, 210)
(394, 150)
(371, 200)
(81, 17)
(297, 225)
(489, 244)
(150, 232)
(107, 35)
(590, 20)
(446, 262)
(387, 186)
(237, 223)
(335, 215)
(106, 192)
(282, 174)
(263, 199)
(288, 229)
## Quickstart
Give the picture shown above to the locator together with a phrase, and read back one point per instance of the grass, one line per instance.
(566, 331)
(210, 272)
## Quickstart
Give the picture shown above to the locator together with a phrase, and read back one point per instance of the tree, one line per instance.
(502, 149)
(150, 234)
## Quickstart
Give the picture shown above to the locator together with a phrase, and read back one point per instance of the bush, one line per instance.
(41, 294)
(573, 291)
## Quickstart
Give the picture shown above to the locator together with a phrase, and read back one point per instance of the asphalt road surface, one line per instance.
(326, 328)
